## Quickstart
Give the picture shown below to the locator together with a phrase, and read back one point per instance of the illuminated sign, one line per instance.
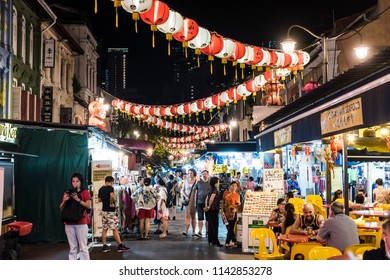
(7, 133)
(348, 115)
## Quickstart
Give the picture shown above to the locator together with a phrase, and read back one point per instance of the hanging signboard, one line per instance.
(47, 108)
(49, 54)
(349, 114)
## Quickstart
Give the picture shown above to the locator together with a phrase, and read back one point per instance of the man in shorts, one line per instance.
(109, 219)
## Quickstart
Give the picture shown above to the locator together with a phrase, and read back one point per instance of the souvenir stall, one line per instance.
(107, 159)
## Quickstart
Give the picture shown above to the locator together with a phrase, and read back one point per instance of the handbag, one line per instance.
(185, 202)
(72, 211)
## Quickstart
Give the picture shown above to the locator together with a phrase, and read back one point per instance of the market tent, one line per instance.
(41, 181)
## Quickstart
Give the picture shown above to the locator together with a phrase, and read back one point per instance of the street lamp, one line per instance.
(289, 45)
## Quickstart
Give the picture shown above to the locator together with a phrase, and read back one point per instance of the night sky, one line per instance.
(253, 22)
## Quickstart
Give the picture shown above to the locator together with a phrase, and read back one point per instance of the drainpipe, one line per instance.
(54, 17)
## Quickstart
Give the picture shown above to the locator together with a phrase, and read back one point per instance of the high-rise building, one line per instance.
(115, 74)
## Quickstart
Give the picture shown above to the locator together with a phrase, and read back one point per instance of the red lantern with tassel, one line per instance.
(213, 48)
(188, 32)
(157, 14)
(293, 151)
(307, 150)
(238, 53)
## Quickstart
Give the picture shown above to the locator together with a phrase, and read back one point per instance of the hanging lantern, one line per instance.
(173, 25)
(265, 59)
(307, 150)
(168, 111)
(243, 91)
(293, 151)
(225, 98)
(157, 14)
(201, 106)
(117, 4)
(213, 48)
(252, 87)
(257, 57)
(201, 40)
(228, 49)
(135, 7)
(234, 95)
(194, 109)
(310, 86)
(238, 53)
(248, 56)
(188, 32)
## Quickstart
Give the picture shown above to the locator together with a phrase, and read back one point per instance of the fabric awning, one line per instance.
(244, 147)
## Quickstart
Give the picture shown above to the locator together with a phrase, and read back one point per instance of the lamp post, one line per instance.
(289, 46)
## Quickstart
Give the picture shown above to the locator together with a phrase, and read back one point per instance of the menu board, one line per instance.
(259, 203)
(273, 180)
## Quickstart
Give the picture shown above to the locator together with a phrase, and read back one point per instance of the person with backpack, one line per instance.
(107, 196)
(77, 231)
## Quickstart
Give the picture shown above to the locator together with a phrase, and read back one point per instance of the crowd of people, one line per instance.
(156, 199)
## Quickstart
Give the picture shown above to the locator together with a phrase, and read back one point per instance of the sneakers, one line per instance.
(199, 234)
(123, 248)
(185, 234)
(105, 249)
(174, 218)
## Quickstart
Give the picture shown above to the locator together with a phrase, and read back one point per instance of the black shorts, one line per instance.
(199, 208)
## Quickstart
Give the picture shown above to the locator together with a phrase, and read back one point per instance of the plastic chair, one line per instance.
(319, 210)
(360, 251)
(314, 199)
(298, 204)
(369, 235)
(300, 251)
(284, 245)
(323, 253)
(265, 236)
(353, 248)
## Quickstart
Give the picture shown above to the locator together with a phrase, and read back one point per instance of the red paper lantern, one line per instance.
(187, 108)
(257, 55)
(238, 53)
(188, 31)
(174, 110)
(158, 13)
(200, 104)
(307, 150)
(293, 151)
(251, 86)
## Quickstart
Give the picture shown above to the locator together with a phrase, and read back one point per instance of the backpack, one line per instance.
(72, 211)
(169, 201)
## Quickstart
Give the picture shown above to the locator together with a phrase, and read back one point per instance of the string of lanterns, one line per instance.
(162, 18)
(233, 94)
(163, 124)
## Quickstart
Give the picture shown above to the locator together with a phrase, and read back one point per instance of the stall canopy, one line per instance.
(244, 147)
(134, 144)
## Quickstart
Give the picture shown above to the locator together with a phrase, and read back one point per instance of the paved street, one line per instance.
(175, 247)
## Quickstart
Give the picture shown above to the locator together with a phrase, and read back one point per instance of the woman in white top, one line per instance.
(187, 194)
(162, 207)
(381, 195)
